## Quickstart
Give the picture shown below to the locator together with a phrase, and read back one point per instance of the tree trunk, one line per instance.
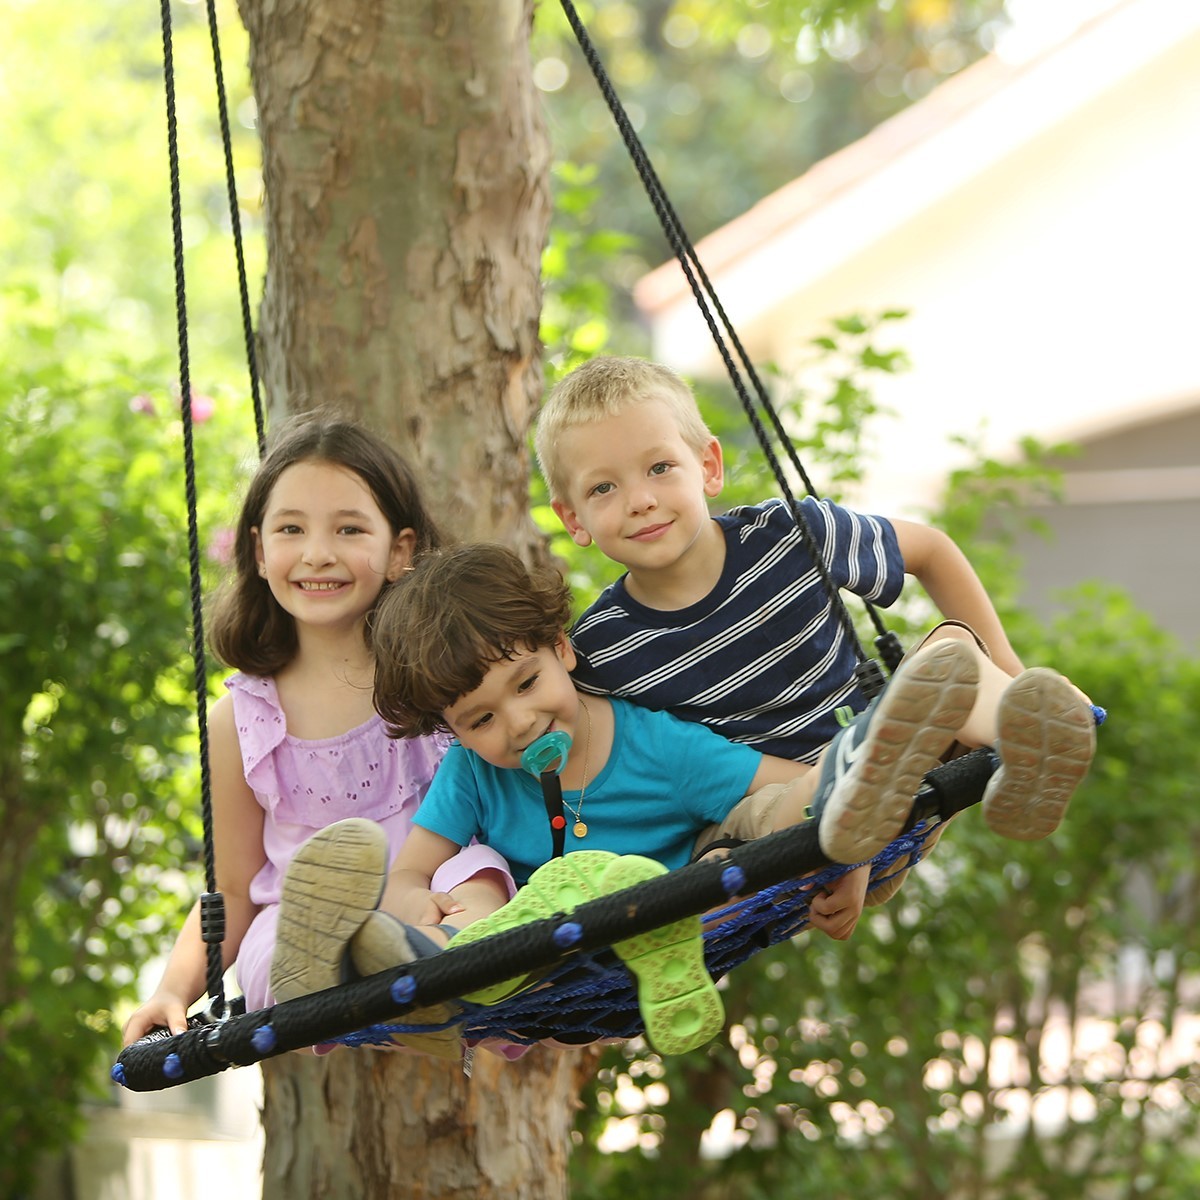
(406, 170)
(368, 1123)
(406, 173)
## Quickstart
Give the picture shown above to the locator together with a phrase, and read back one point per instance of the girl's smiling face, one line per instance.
(324, 547)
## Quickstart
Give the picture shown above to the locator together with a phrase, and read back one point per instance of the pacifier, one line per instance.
(541, 754)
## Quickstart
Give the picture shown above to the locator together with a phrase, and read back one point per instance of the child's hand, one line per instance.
(423, 907)
(444, 905)
(836, 909)
(162, 1009)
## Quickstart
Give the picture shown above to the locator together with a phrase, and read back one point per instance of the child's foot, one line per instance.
(873, 767)
(331, 886)
(383, 942)
(1045, 742)
(679, 1002)
(556, 887)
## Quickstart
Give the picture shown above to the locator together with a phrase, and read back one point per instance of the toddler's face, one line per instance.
(519, 699)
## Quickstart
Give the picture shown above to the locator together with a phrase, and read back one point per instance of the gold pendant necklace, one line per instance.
(579, 829)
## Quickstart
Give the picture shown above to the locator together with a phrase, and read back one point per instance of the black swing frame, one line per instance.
(226, 1035)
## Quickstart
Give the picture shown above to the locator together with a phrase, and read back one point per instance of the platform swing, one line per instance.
(578, 989)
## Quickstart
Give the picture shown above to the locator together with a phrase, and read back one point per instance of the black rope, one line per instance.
(236, 222)
(708, 303)
(212, 919)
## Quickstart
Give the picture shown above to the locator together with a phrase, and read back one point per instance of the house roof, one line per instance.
(959, 129)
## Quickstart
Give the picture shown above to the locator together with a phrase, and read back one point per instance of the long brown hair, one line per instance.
(248, 629)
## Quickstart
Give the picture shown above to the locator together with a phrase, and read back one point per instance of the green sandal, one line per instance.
(679, 1002)
(559, 886)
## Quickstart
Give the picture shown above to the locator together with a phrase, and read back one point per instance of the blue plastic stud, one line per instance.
(542, 755)
(263, 1039)
(173, 1067)
(568, 934)
(403, 990)
(118, 1073)
(733, 880)
(1100, 714)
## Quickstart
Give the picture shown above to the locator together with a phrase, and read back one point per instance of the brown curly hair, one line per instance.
(453, 615)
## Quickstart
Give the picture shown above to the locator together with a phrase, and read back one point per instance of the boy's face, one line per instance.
(637, 489)
(518, 700)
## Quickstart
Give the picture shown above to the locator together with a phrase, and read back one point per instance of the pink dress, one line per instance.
(305, 785)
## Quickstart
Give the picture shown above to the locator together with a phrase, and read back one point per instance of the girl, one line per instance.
(332, 518)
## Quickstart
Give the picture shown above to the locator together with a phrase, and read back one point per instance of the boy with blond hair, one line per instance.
(726, 621)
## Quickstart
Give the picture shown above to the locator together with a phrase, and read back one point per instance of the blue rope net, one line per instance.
(593, 994)
(756, 897)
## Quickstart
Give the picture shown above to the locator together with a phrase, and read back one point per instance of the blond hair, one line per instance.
(604, 387)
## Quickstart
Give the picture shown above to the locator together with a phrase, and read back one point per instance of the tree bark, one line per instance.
(366, 1123)
(407, 203)
(406, 170)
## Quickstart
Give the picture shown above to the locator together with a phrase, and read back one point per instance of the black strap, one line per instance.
(236, 225)
(212, 903)
(212, 918)
(553, 798)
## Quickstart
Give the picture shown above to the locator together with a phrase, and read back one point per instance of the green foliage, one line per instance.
(733, 100)
(97, 753)
(98, 779)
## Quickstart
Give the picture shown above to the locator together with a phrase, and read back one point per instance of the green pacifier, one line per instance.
(541, 755)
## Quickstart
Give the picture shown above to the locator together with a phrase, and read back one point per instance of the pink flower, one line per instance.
(220, 546)
(203, 407)
(141, 403)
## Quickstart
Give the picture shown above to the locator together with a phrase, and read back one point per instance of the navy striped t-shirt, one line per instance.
(762, 659)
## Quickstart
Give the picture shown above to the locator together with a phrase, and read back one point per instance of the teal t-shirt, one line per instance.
(664, 781)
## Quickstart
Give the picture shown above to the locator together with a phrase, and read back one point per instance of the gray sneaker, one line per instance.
(333, 883)
(872, 769)
(1045, 742)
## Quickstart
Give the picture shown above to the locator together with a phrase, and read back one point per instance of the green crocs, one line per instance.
(559, 886)
(679, 1002)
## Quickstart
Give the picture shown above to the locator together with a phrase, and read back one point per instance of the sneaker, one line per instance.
(333, 883)
(1045, 741)
(872, 769)
(383, 942)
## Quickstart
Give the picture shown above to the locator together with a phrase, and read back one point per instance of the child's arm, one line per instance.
(944, 572)
(238, 844)
(407, 895)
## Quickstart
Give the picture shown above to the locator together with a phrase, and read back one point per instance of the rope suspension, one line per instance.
(593, 993)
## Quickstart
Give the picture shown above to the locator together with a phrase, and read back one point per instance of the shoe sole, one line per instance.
(1045, 741)
(680, 1005)
(925, 705)
(333, 883)
(556, 887)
